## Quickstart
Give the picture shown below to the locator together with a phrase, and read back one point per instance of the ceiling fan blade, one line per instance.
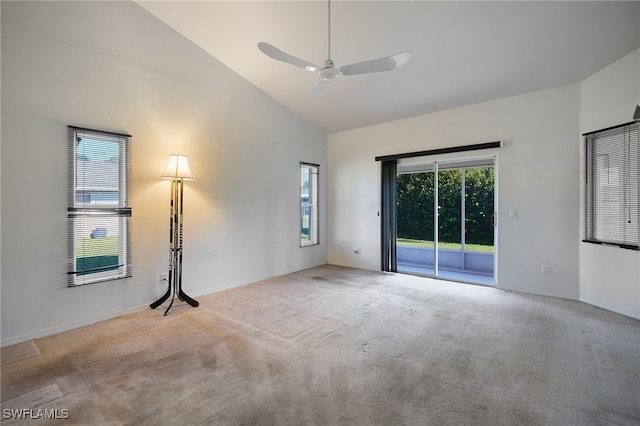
(376, 65)
(277, 54)
(322, 88)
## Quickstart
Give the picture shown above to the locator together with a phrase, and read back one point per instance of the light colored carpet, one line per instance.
(333, 345)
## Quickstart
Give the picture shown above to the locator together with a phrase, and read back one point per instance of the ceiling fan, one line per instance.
(329, 72)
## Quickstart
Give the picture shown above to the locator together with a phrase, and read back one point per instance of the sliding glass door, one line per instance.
(448, 243)
(415, 217)
(445, 226)
(479, 232)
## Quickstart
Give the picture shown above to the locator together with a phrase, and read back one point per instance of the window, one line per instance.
(612, 191)
(308, 204)
(98, 206)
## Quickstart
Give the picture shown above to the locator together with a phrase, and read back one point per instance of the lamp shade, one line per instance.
(178, 168)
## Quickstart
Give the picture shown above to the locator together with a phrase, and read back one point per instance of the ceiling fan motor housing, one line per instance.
(329, 72)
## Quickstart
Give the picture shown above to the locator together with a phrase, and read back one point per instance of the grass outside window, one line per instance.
(480, 248)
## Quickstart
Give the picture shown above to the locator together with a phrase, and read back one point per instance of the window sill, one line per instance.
(604, 243)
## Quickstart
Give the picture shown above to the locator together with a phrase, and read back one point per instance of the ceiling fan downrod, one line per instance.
(329, 29)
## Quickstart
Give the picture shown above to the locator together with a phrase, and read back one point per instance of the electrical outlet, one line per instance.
(545, 270)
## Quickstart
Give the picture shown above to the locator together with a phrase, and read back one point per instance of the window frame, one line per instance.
(313, 171)
(81, 212)
(598, 208)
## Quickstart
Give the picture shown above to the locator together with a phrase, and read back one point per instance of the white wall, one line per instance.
(610, 276)
(113, 66)
(538, 175)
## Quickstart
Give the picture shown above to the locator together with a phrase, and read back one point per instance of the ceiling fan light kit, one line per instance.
(329, 72)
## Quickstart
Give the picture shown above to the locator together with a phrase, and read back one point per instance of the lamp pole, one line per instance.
(178, 170)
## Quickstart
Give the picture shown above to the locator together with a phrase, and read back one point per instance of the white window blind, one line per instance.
(612, 194)
(98, 206)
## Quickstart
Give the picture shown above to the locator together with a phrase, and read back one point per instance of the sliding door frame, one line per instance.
(463, 164)
(388, 249)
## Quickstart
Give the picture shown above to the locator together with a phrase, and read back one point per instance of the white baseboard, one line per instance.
(69, 326)
(611, 307)
(537, 292)
(135, 309)
(598, 303)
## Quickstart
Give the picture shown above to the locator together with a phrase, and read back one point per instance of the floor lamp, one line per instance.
(178, 171)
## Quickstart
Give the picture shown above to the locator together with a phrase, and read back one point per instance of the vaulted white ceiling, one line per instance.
(462, 52)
